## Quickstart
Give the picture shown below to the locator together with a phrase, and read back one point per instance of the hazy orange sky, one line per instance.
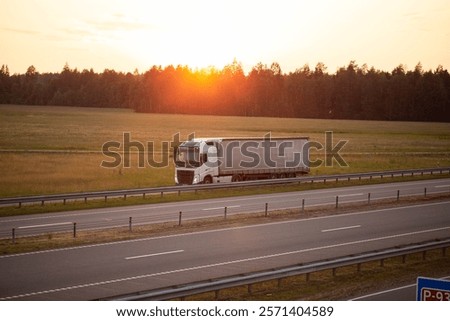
(128, 34)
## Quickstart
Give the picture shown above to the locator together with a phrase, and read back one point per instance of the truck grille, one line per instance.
(185, 177)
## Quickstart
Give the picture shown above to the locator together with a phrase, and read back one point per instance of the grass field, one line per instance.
(58, 149)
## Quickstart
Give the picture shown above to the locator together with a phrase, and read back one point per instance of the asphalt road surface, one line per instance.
(166, 212)
(105, 270)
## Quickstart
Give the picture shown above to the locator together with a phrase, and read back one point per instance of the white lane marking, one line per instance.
(220, 208)
(391, 290)
(222, 230)
(340, 228)
(442, 186)
(44, 225)
(153, 254)
(194, 268)
(349, 195)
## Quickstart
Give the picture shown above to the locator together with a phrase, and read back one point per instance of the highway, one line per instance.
(104, 270)
(165, 212)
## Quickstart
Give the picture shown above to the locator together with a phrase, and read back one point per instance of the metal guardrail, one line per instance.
(186, 188)
(248, 279)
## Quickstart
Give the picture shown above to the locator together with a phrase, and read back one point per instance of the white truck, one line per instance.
(215, 160)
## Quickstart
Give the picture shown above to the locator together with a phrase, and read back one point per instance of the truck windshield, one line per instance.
(188, 156)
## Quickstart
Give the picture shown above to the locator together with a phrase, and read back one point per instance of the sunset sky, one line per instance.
(128, 34)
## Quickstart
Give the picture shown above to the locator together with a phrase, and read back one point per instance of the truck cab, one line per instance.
(196, 162)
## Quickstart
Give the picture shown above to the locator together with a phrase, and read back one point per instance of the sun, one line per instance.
(192, 47)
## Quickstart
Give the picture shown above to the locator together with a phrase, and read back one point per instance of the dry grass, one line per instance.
(43, 173)
(77, 136)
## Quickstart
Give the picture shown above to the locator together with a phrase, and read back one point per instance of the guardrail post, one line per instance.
(398, 195)
(64, 201)
(162, 194)
(124, 197)
(42, 203)
(425, 192)
(225, 212)
(74, 229)
(14, 235)
(179, 218)
(279, 281)
(267, 206)
(20, 204)
(85, 200)
(106, 198)
(303, 205)
(368, 198)
(337, 201)
(179, 192)
(143, 195)
(130, 221)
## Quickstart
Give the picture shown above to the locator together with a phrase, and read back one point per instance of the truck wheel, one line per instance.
(207, 180)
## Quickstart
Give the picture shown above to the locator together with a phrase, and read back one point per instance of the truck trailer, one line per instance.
(215, 160)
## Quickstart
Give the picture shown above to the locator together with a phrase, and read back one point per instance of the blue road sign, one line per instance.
(432, 289)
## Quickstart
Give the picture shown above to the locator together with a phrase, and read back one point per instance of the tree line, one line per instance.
(352, 92)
